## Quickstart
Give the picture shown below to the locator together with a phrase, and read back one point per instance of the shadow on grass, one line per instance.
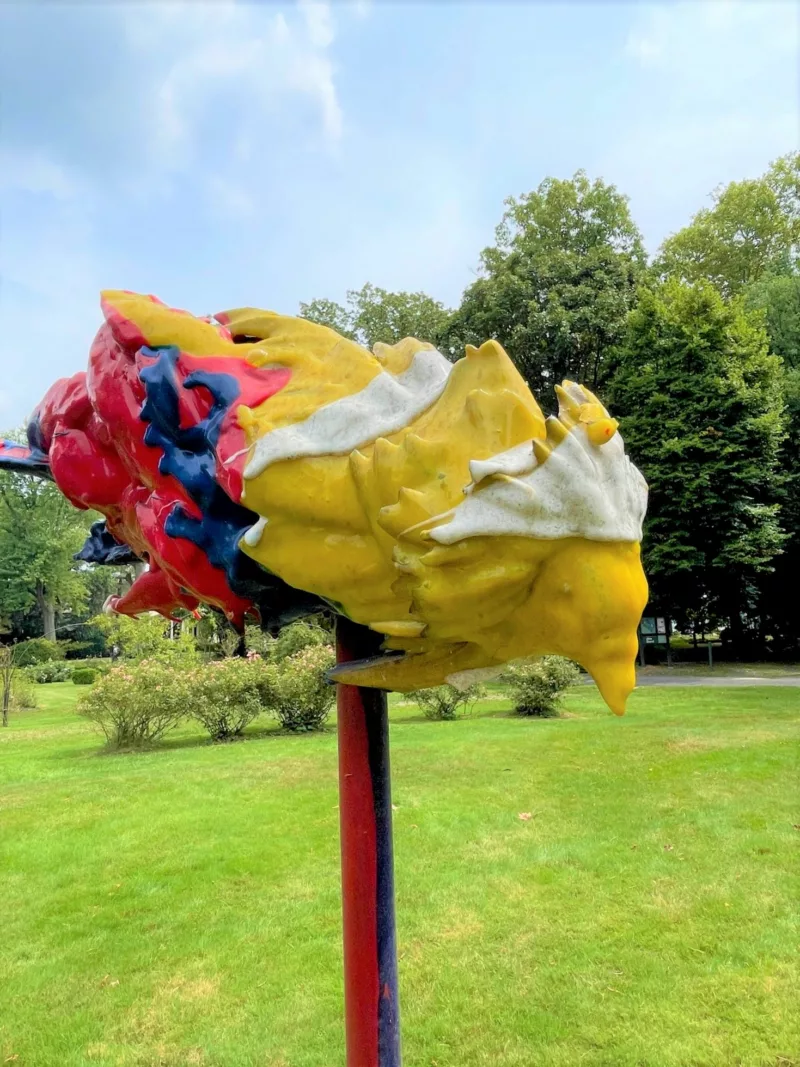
(482, 713)
(177, 744)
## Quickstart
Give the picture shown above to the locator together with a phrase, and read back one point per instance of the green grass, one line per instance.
(181, 907)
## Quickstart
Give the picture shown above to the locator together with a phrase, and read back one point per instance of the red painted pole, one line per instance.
(365, 813)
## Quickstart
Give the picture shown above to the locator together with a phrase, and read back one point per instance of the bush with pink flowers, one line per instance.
(136, 704)
(301, 696)
(227, 694)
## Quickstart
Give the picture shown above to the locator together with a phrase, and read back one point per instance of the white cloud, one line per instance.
(696, 38)
(317, 17)
(246, 56)
(35, 172)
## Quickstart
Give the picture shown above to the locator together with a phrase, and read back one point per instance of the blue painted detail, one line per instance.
(103, 548)
(35, 435)
(24, 460)
(189, 455)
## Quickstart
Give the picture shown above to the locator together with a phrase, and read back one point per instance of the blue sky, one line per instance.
(229, 154)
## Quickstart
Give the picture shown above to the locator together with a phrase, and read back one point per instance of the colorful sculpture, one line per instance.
(264, 464)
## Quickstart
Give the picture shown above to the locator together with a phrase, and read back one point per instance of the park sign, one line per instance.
(655, 630)
(268, 467)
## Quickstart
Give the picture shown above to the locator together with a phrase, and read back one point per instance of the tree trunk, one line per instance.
(6, 674)
(48, 610)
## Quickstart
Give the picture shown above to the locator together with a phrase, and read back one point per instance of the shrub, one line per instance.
(443, 702)
(298, 689)
(84, 676)
(537, 687)
(136, 704)
(258, 641)
(23, 691)
(37, 650)
(99, 666)
(226, 696)
(53, 671)
(305, 633)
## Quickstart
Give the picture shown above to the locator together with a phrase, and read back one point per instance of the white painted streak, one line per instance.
(252, 534)
(384, 406)
(581, 490)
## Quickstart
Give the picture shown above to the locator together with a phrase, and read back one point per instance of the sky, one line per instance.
(229, 154)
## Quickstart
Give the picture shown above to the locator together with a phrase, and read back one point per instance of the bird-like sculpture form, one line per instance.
(264, 464)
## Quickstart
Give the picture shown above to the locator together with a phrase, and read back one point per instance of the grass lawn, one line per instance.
(181, 907)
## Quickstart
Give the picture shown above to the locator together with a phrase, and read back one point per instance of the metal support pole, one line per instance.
(365, 813)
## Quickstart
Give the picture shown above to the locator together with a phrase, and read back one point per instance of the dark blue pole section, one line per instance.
(377, 717)
(365, 805)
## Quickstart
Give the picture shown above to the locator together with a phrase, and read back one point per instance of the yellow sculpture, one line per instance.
(431, 501)
(434, 503)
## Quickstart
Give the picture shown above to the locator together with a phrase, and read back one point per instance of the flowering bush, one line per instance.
(538, 686)
(136, 704)
(445, 701)
(298, 689)
(52, 671)
(228, 694)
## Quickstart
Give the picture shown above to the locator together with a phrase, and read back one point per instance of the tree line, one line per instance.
(697, 350)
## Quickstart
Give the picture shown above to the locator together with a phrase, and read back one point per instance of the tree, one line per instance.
(703, 417)
(373, 314)
(8, 668)
(781, 589)
(752, 230)
(558, 284)
(778, 296)
(39, 533)
(779, 300)
(329, 313)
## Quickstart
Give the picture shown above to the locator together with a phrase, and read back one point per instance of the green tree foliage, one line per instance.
(148, 638)
(752, 230)
(702, 405)
(39, 533)
(778, 296)
(558, 284)
(779, 299)
(373, 314)
(329, 313)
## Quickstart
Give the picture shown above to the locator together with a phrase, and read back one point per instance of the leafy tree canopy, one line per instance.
(703, 416)
(373, 314)
(752, 230)
(558, 283)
